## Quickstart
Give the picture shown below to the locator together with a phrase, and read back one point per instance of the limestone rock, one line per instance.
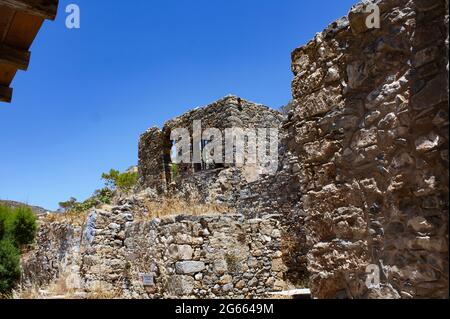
(189, 267)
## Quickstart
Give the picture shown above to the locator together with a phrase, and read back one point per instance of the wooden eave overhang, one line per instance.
(20, 22)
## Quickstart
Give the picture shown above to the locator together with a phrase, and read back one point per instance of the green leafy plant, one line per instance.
(111, 178)
(114, 180)
(69, 205)
(101, 196)
(17, 229)
(17, 225)
(104, 195)
(4, 213)
(23, 227)
(9, 266)
(174, 169)
(73, 206)
(120, 181)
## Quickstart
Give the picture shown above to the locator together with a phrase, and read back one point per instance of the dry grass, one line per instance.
(151, 209)
(174, 206)
(58, 289)
(102, 293)
(72, 218)
(62, 288)
(27, 294)
(75, 219)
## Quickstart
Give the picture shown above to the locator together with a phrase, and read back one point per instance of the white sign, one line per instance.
(148, 280)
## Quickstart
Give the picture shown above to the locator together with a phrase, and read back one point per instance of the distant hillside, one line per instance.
(37, 210)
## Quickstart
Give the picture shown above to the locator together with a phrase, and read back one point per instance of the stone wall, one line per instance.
(153, 148)
(231, 187)
(206, 257)
(226, 256)
(57, 254)
(370, 128)
(257, 199)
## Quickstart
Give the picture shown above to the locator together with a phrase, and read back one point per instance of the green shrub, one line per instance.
(111, 178)
(121, 181)
(23, 227)
(104, 195)
(17, 228)
(18, 225)
(4, 212)
(69, 205)
(114, 180)
(127, 181)
(9, 266)
(101, 196)
(174, 169)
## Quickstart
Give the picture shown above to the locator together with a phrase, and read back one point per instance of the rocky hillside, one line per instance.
(39, 211)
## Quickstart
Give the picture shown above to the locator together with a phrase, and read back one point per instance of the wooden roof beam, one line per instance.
(14, 57)
(46, 9)
(5, 94)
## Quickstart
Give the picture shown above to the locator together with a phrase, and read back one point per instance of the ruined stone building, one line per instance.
(361, 186)
(238, 187)
(156, 145)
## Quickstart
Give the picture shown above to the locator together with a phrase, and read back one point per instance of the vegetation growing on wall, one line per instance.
(101, 196)
(114, 182)
(123, 182)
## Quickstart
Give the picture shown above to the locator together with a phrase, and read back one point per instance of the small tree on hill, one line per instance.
(9, 266)
(120, 181)
(23, 227)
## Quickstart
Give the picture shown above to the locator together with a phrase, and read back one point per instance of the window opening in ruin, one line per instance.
(198, 167)
(167, 161)
(174, 168)
(207, 162)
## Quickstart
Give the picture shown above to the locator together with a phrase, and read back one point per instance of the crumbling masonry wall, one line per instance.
(56, 255)
(226, 256)
(370, 128)
(206, 257)
(153, 151)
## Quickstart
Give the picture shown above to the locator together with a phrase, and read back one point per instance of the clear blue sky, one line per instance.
(89, 93)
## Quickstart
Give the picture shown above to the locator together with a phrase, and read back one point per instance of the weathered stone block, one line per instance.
(434, 93)
(180, 285)
(181, 252)
(189, 267)
(428, 143)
